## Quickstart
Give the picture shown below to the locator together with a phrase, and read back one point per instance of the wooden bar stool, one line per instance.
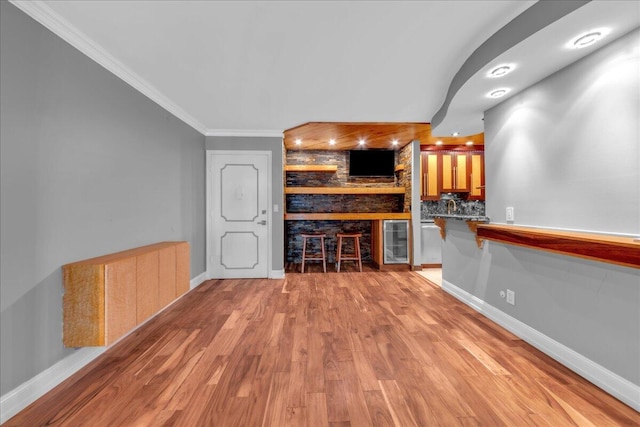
(356, 256)
(314, 257)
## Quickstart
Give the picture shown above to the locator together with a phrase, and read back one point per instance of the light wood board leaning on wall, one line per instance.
(108, 296)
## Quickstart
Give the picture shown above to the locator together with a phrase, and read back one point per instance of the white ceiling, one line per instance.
(536, 57)
(260, 67)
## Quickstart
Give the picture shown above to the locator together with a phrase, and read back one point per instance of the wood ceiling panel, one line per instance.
(477, 139)
(316, 136)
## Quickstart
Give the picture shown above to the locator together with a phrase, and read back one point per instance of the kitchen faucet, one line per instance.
(449, 203)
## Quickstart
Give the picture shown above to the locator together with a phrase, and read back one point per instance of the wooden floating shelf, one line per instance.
(345, 216)
(344, 190)
(600, 247)
(311, 168)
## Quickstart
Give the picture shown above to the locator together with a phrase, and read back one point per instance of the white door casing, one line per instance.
(238, 215)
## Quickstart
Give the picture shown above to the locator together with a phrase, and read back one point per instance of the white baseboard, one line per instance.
(273, 274)
(29, 391)
(612, 383)
(197, 281)
(276, 274)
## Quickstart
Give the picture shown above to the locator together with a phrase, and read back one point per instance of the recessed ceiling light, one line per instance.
(498, 93)
(332, 141)
(438, 142)
(455, 134)
(588, 38)
(501, 70)
(394, 142)
(298, 141)
(469, 142)
(361, 142)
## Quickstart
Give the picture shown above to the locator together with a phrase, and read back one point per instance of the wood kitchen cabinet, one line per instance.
(446, 171)
(430, 176)
(476, 176)
(108, 296)
(455, 172)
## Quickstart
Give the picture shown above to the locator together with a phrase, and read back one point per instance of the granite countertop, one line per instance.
(462, 217)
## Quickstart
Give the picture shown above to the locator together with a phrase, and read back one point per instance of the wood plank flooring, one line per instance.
(336, 349)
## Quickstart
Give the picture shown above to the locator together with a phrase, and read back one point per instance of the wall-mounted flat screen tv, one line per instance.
(372, 163)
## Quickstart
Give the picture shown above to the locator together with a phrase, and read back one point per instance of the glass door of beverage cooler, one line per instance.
(396, 241)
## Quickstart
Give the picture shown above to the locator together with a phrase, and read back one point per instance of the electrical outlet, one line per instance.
(511, 297)
(510, 213)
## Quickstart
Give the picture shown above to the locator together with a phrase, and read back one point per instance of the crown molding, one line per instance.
(43, 14)
(245, 132)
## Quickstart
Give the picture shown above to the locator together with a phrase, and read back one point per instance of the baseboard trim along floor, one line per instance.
(22, 396)
(28, 392)
(612, 383)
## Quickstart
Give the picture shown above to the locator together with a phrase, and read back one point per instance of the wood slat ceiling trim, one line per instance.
(377, 135)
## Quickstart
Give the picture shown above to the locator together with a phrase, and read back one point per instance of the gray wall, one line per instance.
(593, 308)
(275, 145)
(89, 166)
(565, 154)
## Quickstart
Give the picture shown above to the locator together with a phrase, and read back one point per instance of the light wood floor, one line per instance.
(314, 349)
(432, 274)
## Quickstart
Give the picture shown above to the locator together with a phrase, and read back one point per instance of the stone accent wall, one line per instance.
(404, 177)
(340, 178)
(284, 162)
(308, 203)
(293, 229)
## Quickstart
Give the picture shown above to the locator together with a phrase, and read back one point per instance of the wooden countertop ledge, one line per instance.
(600, 247)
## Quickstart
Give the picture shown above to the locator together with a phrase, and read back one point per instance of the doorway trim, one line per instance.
(209, 213)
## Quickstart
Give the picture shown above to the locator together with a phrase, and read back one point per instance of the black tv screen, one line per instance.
(371, 162)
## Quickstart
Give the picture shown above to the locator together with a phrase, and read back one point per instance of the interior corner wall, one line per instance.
(89, 166)
(565, 154)
(275, 145)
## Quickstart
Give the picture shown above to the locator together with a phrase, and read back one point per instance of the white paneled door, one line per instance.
(238, 231)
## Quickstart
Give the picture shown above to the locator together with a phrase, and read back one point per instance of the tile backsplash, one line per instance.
(464, 207)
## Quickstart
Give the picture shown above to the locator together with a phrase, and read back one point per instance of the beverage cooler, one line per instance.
(396, 241)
